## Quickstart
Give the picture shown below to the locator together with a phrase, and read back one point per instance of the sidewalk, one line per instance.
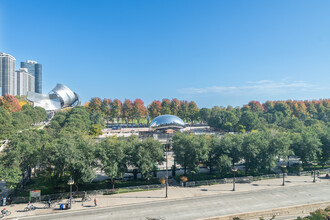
(173, 193)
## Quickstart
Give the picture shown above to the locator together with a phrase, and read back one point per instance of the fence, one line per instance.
(79, 194)
(269, 176)
(245, 179)
(306, 173)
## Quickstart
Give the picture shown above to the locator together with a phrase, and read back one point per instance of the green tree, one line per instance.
(204, 114)
(24, 152)
(106, 108)
(78, 119)
(37, 114)
(223, 164)
(10, 172)
(250, 120)
(306, 145)
(145, 154)
(233, 146)
(251, 149)
(193, 111)
(96, 130)
(20, 120)
(223, 119)
(282, 107)
(111, 154)
(116, 110)
(166, 107)
(190, 150)
(71, 155)
(184, 110)
(6, 127)
(324, 157)
(175, 107)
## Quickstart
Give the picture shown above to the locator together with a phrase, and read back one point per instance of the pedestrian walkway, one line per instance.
(174, 193)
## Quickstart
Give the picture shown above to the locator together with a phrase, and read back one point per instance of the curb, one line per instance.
(285, 211)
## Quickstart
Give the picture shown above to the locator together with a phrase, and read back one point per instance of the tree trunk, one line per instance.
(135, 172)
(113, 184)
(174, 170)
(246, 168)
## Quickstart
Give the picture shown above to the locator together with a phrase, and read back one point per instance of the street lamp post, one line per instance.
(283, 171)
(314, 164)
(166, 148)
(71, 182)
(234, 170)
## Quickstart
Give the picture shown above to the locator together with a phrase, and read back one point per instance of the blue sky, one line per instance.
(212, 52)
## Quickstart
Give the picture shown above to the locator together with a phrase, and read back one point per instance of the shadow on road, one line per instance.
(88, 206)
(138, 197)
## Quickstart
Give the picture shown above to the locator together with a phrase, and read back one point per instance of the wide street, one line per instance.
(199, 207)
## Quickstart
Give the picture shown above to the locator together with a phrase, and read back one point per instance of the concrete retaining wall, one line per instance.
(301, 210)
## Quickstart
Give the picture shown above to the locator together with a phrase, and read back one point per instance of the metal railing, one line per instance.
(79, 194)
(245, 179)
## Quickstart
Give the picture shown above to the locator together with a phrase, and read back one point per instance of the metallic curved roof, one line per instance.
(60, 97)
(167, 122)
(65, 94)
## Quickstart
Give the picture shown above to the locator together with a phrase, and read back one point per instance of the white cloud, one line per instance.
(258, 87)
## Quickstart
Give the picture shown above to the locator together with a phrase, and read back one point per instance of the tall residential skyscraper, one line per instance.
(8, 80)
(25, 82)
(35, 69)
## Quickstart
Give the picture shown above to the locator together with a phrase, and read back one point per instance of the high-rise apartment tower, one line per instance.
(8, 80)
(25, 82)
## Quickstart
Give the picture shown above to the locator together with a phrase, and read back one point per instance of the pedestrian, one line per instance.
(49, 202)
(9, 201)
(4, 201)
(318, 173)
(84, 196)
(95, 202)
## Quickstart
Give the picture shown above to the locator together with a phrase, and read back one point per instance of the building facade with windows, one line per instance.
(35, 69)
(25, 82)
(8, 76)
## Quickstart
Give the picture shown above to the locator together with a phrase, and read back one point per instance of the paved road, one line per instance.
(206, 206)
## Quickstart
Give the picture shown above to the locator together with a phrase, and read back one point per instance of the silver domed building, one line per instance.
(164, 122)
(60, 97)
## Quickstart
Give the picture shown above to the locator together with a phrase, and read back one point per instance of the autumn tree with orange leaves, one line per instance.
(154, 109)
(139, 110)
(116, 109)
(10, 103)
(127, 110)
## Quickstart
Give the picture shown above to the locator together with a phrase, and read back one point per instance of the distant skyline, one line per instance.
(211, 52)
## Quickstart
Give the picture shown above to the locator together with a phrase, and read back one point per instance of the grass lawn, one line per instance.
(47, 185)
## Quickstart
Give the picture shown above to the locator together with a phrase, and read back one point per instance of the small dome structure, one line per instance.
(164, 122)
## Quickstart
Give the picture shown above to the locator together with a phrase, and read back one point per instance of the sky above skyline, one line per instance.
(216, 53)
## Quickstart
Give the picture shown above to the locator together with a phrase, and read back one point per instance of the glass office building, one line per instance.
(8, 77)
(35, 69)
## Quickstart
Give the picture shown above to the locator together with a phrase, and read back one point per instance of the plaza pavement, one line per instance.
(174, 193)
